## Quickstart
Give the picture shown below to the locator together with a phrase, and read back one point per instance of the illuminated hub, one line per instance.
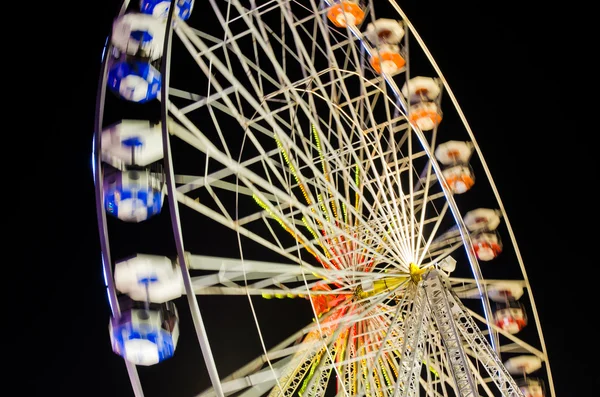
(369, 288)
(416, 273)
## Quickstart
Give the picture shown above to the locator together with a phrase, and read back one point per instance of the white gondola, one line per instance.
(132, 142)
(138, 34)
(448, 264)
(523, 364)
(151, 278)
(384, 31)
(482, 219)
(421, 89)
(145, 336)
(499, 291)
(454, 152)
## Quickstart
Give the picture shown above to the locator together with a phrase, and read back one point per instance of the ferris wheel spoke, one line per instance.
(284, 359)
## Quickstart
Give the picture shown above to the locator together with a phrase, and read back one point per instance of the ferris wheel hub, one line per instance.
(416, 273)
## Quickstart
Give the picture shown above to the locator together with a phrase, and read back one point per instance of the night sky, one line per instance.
(517, 75)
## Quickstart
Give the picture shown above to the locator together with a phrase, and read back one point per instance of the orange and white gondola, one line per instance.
(346, 13)
(385, 35)
(457, 172)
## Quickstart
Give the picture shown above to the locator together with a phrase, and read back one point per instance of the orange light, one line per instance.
(390, 58)
(344, 13)
(420, 115)
(454, 180)
(324, 303)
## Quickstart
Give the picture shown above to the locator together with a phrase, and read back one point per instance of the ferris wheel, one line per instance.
(323, 133)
